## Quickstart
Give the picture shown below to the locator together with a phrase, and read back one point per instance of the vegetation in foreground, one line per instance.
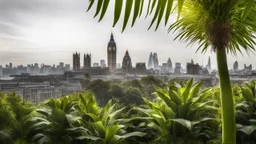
(177, 112)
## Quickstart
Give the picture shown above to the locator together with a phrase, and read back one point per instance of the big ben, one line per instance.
(111, 54)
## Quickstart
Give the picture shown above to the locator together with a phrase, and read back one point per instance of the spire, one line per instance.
(112, 37)
(127, 53)
(209, 64)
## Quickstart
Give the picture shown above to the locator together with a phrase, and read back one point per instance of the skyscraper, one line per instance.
(87, 61)
(193, 68)
(178, 68)
(169, 65)
(155, 59)
(150, 61)
(235, 66)
(111, 53)
(208, 66)
(127, 63)
(76, 61)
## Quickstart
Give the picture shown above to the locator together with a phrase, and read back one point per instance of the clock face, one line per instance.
(109, 48)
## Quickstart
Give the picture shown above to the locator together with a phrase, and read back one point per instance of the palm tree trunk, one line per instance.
(226, 97)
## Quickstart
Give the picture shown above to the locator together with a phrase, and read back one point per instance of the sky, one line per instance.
(49, 31)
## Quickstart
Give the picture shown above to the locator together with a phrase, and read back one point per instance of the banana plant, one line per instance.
(179, 106)
(104, 125)
(55, 122)
(246, 113)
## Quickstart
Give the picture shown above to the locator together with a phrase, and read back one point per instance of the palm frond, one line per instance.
(160, 9)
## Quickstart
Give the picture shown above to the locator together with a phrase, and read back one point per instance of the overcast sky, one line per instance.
(49, 31)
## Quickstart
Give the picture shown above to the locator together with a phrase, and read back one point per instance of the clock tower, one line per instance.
(111, 54)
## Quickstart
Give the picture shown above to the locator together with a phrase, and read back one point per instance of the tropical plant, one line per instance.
(104, 127)
(13, 114)
(225, 25)
(246, 113)
(55, 122)
(180, 106)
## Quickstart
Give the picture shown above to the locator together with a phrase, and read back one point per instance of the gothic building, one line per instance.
(111, 53)
(127, 63)
(87, 61)
(76, 61)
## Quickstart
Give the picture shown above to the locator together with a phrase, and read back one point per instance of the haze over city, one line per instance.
(49, 31)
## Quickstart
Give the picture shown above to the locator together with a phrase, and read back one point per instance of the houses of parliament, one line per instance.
(111, 61)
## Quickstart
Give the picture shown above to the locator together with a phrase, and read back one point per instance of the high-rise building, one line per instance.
(87, 61)
(208, 66)
(193, 68)
(169, 65)
(155, 60)
(102, 63)
(247, 68)
(178, 68)
(127, 63)
(141, 68)
(76, 61)
(111, 53)
(11, 65)
(150, 61)
(235, 66)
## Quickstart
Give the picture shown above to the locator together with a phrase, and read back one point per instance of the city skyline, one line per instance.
(45, 31)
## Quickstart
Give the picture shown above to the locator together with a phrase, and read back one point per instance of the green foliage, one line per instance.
(100, 89)
(158, 9)
(13, 114)
(246, 113)
(105, 127)
(133, 95)
(180, 106)
(54, 122)
(181, 112)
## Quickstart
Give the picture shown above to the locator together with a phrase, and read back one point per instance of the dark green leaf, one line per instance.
(118, 11)
(127, 13)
